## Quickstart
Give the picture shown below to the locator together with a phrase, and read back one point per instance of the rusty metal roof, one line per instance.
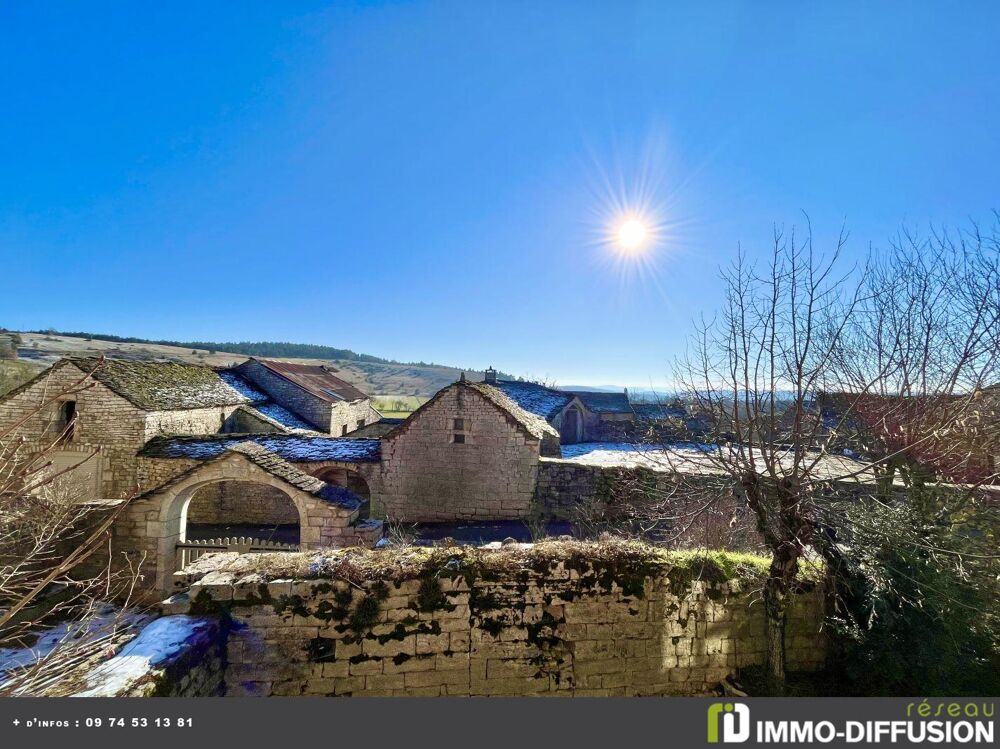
(315, 379)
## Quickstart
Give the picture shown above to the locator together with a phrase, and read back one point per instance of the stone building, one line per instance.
(469, 453)
(578, 415)
(328, 403)
(290, 452)
(191, 446)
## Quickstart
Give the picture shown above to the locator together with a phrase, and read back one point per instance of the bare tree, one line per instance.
(912, 335)
(51, 531)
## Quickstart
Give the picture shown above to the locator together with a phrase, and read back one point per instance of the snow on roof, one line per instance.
(601, 402)
(534, 398)
(291, 447)
(535, 424)
(243, 387)
(284, 417)
(163, 386)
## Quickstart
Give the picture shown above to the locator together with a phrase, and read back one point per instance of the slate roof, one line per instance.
(534, 398)
(603, 403)
(243, 387)
(315, 379)
(163, 386)
(297, 448)
(284, 417)
(535, 424)
(278, 467)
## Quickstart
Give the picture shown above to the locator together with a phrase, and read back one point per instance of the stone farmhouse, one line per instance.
(278, 445)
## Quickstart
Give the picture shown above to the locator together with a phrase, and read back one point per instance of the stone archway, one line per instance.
(571, 426)
(351, 480)
(251, 509)
(155, 523)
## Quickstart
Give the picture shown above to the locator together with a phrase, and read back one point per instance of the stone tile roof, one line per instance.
(296, 448)
(280, 468)
(271, 463)
(284, 417)
(315, 379)
(163, 386)
(242, 386)
(599, 402)
(534, 398)
(534, 424)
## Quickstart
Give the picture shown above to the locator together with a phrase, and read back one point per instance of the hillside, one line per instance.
(376, 377)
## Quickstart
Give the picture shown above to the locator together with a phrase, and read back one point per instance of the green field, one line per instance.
(398, 406)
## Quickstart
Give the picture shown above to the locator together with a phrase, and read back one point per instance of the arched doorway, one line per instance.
(231, 509)
(353, 481)
(570, 427)
(350, 480)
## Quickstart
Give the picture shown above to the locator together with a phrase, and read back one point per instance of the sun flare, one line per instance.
(632, 235)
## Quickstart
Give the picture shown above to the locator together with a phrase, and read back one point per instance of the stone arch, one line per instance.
(349, 478)
(241, 508)
(571, 425)
(175, 498)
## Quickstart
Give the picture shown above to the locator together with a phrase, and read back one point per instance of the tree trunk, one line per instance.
(781, 575)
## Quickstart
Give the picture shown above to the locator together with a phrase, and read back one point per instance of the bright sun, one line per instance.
(632, 235)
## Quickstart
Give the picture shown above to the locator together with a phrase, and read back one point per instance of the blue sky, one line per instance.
(429, 181)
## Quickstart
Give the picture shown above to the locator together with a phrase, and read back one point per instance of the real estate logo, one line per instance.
(735, 720)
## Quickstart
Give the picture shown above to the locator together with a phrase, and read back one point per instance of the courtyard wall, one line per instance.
(554, 619)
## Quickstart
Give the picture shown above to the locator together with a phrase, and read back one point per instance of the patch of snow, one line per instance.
(103, 622)
(284, 417)
(534, 398)
(157, 644)
(242, 387)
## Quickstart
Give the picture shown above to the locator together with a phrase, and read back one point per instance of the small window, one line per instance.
(458, 424)
(458, 439)
(343, 431)
(66, 420)
(361, 423)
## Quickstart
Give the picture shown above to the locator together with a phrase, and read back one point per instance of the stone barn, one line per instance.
(469, 453)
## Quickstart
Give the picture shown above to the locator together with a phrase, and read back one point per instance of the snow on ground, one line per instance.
(691, 457)
(157, 644)
(630, 455)
(105, 620)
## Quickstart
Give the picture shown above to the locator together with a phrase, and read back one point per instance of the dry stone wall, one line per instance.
(540, 621)
(426, 475)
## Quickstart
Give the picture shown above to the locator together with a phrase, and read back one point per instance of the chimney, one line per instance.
(490, 376)
(462, 377)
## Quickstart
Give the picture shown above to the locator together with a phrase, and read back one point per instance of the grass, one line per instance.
(398, 406)
(15, 373)
(628, 559)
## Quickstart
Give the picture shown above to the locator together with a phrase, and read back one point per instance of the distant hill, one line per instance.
(372, 374)
(265, 349)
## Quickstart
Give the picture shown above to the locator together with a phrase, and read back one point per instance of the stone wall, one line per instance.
(315, 410)
(426, 476)
(188, 421)
(104, 420)
(555, 619)
(176, 656)
(243, 503)
(565, 489)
